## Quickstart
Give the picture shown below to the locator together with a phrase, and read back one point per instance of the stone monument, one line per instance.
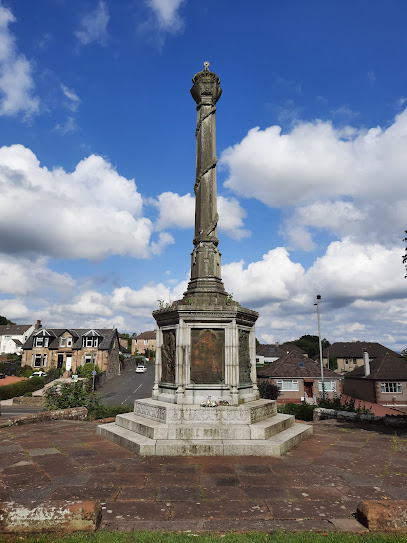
(206, 346)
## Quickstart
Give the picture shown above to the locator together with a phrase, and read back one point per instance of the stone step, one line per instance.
(272, 426)
(208, 431)
(291, 437)
(192, 447)
(131, 441)
(140, 425)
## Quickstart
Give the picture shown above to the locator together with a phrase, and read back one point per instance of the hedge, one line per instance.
(20, 388)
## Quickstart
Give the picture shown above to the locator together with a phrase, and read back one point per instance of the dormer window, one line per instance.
(39, 342)
(62, 342)
(95, 342)
(69, 342)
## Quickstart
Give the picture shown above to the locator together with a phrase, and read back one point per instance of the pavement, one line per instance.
(315, 487)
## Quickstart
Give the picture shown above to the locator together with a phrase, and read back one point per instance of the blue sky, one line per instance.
(97, 160)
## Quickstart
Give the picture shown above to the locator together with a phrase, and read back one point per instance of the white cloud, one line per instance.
(67, 127)
(94, 26)
(92, 212)
(166, 13)
(90, 303)
(177, 211)
(15, 309)
(16, 81)
(23, 276)
(73, 99)
(343, 172)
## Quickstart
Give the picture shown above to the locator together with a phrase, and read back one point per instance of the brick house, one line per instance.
(144, 342)
(299, 378)
(349, 354)
(382, 381)
(70, 348)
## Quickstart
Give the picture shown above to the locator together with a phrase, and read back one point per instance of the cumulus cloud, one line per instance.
(177, 211)
(16, 79)
(92, 212)
(166, 13)
(89, 303)
(94, 25)
(339, 177)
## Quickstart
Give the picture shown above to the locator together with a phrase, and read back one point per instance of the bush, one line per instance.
(86, 370)
(20, 388)
(25, 371)
(65, 395)
(52, 374)
(107, 411)
(28, 395)
(267, 390)
(347, 405)
(301, 411)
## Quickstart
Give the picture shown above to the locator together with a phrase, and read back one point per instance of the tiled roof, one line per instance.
(295, 364)
(388, 367)
(147, 335)
(13, 329)
(277, 350)
(107, 335)
(355, 349)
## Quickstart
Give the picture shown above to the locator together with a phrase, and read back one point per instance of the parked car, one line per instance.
(141, 369)
(38, 373)
(2, 375)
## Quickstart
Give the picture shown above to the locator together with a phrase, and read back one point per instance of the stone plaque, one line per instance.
(207, 356)
(244, 358)
(168, 357)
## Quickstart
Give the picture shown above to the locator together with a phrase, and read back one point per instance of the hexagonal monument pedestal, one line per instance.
(206, 346)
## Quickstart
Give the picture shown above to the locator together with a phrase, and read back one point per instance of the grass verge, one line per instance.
(182, 537)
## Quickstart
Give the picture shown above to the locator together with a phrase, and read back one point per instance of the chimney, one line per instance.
(38, 325)
(366, 363)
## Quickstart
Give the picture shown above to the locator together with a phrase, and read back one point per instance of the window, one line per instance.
(44, 360)
(88, 358)
(95, 342)
(285, 385)
(89, 341)
(46, 342)
(63, 341)
(37, 360)
(146, 342)
(391, 387)
(69, 342)
(39, 342)
(329, 386)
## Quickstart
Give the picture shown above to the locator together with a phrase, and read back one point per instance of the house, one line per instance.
(381, 380)
(144, 342)
(299, 378)
(349, 355)
(270, 353)
(13, 336)
(69, 348)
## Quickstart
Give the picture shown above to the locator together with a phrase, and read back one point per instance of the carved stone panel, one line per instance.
(168, 356)
(244, 358)
(207, 356)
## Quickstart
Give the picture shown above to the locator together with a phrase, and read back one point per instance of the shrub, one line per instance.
(52, 374)
(20, 388)
(86, 370)
(107, 411)
(28, 395)
(25, 371)
(65, 395)
(301, 411)
(346, 405)
(267, 390)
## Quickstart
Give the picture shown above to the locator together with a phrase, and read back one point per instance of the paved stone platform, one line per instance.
(315, 486)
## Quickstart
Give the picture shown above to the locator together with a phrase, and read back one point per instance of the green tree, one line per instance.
(310, 344)
(3, 320)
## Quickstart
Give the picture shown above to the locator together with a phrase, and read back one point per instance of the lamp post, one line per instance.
(320, 347)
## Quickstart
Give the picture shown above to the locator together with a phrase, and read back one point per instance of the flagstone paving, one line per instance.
(315, 486)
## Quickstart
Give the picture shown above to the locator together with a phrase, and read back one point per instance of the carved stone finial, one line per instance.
(206, 66)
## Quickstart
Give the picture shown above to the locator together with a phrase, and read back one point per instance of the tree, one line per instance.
(3, 320)
(310, 344)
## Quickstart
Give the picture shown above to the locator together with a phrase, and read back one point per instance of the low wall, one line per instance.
(74, 413)
(345, 416)
(29, 400)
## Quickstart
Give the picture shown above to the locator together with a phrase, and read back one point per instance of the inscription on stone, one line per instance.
(207, 356)
(168, 357)
(244, 358)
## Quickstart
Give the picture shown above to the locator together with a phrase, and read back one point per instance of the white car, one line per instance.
(38, 374)
(141, 369)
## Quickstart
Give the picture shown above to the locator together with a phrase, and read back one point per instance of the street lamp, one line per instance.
(320, 347)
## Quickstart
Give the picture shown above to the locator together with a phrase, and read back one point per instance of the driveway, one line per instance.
(129, 386)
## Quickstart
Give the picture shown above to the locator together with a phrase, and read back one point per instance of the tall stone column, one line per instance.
(206, 282)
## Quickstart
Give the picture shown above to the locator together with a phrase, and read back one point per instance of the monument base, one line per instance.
(160, 429)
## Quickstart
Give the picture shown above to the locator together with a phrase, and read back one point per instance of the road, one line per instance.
(127, 387)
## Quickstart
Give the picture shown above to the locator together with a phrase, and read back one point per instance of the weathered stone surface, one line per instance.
(74, 413)
(383, 515)
(56, 516)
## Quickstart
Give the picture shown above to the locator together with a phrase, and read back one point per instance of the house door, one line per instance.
(68, 365)
(60, 361)
(308, 389)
